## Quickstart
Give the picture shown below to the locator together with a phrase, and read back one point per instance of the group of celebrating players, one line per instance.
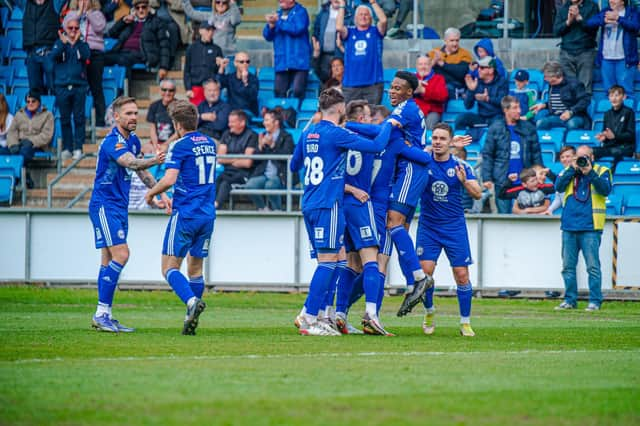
(362, 184)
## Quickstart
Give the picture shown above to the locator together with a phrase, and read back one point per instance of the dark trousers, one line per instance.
(294, 79)
(125, 58)
(70, 101)
(229, 176)
(94, 77)
(618, 152)
(371, 94)
(39, 72)
(322, 65)
(24, 148)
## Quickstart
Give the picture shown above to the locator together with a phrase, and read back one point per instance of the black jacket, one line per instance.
(576, 38)
(574, 96)
(283, 146)
(623, 125)
(154, 41)
(200, 63)
(241, 96)
(39, 24)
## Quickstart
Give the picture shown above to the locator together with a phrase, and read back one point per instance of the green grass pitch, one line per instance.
(527, 365)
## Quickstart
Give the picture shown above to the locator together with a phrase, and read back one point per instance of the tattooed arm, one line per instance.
(130, 162)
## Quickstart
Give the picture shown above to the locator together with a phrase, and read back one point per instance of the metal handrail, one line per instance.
(77, 198)
(65, 172)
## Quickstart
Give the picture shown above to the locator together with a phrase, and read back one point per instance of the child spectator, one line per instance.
(567, 155)
(524, 95)
(482, 49)
(619, 135)
(531, 200)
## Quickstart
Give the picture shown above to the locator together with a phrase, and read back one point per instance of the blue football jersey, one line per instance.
(194, 155)
(358, 167)
(112, 182)
(363, 57)
(442, 197)
(410, 116)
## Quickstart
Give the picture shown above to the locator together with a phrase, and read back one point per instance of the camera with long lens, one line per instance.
(583, 161)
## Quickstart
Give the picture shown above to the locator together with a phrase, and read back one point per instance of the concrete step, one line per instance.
(38, 197)
(87, 163)
(72, 180)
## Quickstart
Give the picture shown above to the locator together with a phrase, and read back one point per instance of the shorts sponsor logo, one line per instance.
(318, 233)
(419, 250)
(120, 233)
(365, 232)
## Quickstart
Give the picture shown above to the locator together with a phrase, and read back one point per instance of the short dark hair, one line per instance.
(185, 113)
(527, 174)
(355, 108)
(275, 114)
(616, 88)
(382, 110)
(121, 101)
(444, 126)
(409, 77)
(330, 97)
(567, 148)
(211, 81)
(240, 114)
(506, 102)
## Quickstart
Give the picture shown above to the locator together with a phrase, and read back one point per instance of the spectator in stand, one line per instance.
(567, 156)
(577, 41)
(619, 135)
(201, 63)
(70, 55)
(271, 174)
(511, 145)
(585, 186)
(530, 200)
(239, 139)
(213, 113)
(337, 75)
(452, 62)
(224, 18)
(405, 7)
(31, 130)
(40, 24)
(242, 86)
(567, 104)
(161, 131)
(617, 56)
(526, 97)
(363, 75)
(431, 94)
(142, 38)
(482, 49)
(92, 26)
(487, 90)
(324, 39)
(288, 29)
(5, 123)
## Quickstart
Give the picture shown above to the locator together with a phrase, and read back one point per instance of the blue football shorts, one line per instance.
(191, 235)
(361, 230)
(325, 228)
(453, 238)
(110, 226)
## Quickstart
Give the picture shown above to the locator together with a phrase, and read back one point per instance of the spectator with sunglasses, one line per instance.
(224, 18)
(242, 86)
(161, 130)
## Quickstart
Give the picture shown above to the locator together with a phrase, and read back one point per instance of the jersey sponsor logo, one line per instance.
(318, 233)
(361, 47)
(440, 190)
(365, 232)
(120, 145)
(419, 250)
(451, 172)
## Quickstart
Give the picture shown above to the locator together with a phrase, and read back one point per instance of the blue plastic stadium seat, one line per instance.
(12, 164)
(282, 102)
(266, 74)
(632, 205)
(548, 157)
(555, 137)
(604, 105)
(555, 167)
(12, 102)
(6, 188)
(625, 190)
(15, 38)
(614, 205)
(309, 105)
(581, 137)
(456, 106)
(627, 172)
(388, 75)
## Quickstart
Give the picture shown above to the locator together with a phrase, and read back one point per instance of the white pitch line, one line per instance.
(310, 355)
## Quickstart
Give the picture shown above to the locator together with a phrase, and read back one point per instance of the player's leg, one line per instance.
(465, 293)
(428, 248)
(196, 277)
(428, 324)
(371, 282)
(345, 287)
(327, 313)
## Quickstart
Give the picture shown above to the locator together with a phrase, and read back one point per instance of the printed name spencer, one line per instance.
(203, 149)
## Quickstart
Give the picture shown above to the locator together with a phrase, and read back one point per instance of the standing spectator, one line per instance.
(567, 104)
(577, 41)
(585, 186)
(40, 24)
(239, 139)
(405, 7)
(530, 199)
(271, 174)
(5, 123)
(70, 56)
(213, 113)
(619, 135)
(363, 76)
(482, 49)
(567, 156)
(92, 26)
(142, 38)
(617, 56)
(288, 29)
(512, 144)
(224, 19)
(161, 130)
(452, 62)
(487, 90)
(526, 97)
(431, 94)
(201, 63)
(242, 86)
(324, 39)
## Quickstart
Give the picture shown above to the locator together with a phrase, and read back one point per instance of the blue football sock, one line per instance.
(197, 286)
(464, 299)
(428, 298)
(357, 292)
(179, 284)
(381, 280)
(318, 287)
(345, 286)
(406, 252)
(370, 281)
(108, 281)
(333, 285)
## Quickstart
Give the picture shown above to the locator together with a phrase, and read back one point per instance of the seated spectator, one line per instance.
(324, 39)
(482, 49)
(487, 90)
(526, 97)
(31, 129)
(379, 113)
(142, 38)
(242, 86)
(161, 131)
(288, 29)
(201, 63)
(5, 123)
(452, 62)
(617, 56)
(225, 17)
(619, 135)
(405, 7)
(431, 94)
(567, 157)
(214, 113)
(271, 174)
(530, 200)
(239, 139)
(70, 56)
(337, 74)
(567, 103)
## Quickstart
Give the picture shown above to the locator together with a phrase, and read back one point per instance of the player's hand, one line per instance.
(360, 195)
(162, 73)
(394, 122)
(489, 185)
(461, 173)
(149, 199)
(460, 141)
(168, 203)
(160, 156)
(128, 19)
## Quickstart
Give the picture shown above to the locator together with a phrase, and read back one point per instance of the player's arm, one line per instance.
(413, 154)
(368, 130)
(167, 181)
(130, 162)
(358, 193)
(358, 143)
(146, 178)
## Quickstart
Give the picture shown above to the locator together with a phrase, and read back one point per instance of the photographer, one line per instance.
(585, 186)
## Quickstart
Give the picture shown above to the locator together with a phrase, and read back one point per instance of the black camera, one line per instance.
(583, 161)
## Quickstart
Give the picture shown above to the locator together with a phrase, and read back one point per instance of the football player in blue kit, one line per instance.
(190, 169)
(442, 224)
(322, 150)
(118, 157)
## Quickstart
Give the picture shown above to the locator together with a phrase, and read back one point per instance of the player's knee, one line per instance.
(461, 277)
(394, 219)
(121, 255)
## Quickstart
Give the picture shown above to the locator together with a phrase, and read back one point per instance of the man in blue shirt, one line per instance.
(442, 224)
(118, 157)
(191, 166)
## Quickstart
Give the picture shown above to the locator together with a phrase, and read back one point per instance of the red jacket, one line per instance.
(435, 95)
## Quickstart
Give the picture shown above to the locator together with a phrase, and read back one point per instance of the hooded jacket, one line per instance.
(487, 45)
(630, 24)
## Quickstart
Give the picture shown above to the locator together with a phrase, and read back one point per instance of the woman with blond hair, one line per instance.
(5, 122)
